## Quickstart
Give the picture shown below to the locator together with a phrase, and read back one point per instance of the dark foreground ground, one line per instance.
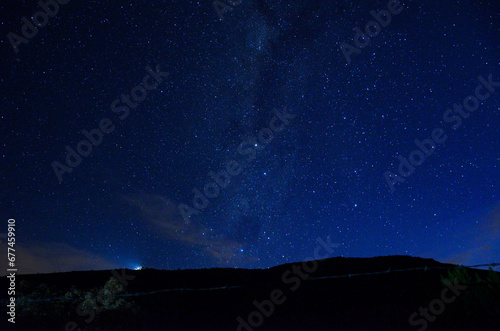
(287, 297)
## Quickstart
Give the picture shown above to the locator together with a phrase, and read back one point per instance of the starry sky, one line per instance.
(272, 99)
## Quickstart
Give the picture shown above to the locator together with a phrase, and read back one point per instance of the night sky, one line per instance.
(303, 130)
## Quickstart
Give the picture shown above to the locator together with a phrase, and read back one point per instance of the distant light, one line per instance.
(138, 268)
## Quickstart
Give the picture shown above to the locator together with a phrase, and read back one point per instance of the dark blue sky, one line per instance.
(316, 173)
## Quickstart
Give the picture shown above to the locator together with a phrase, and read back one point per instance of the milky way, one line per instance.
(191, 97)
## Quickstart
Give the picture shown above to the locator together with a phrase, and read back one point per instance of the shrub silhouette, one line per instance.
(106, 298)
(481, 296)
(38, 303)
